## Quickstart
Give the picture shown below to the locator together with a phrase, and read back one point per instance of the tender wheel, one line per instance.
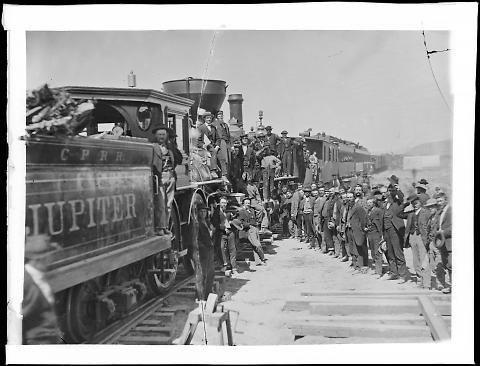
(81, 314)
(162, 267)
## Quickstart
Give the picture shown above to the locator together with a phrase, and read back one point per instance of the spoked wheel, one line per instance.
(189, 263)
(81, 315)
(162, 267)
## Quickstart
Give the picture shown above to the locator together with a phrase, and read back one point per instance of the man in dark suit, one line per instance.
(285, 149)
(206, 253)
(236, 170)
(443, 236)
(223, 142)
(219, 221)
(357, 218)
(374, 230)
(326, 215)
(272, 138)
(248, 153)
(394, 233)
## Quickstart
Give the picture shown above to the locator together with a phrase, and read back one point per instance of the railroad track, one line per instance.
(150, 323)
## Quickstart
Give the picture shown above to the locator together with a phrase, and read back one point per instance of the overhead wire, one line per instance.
(431, 69)
(205, 70)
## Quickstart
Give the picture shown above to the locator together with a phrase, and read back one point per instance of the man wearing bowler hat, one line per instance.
(394, 187)
(285, 152)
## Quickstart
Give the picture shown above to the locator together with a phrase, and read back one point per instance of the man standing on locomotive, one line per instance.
(224, 143)
(285, 153)
(272, 138)
(164, 171)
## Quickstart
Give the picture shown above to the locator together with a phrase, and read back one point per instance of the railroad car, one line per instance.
(339, 157)
(93, 197)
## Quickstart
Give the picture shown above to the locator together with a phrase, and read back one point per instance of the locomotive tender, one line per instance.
(93, 197)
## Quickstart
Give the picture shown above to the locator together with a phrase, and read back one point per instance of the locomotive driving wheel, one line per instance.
(81, 312)
(162, 267)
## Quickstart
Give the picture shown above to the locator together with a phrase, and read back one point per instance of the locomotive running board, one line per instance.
(70, 275)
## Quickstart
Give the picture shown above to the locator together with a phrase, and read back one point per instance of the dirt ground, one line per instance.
(259, 293)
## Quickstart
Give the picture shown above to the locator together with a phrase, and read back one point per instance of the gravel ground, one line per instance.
(259, 293)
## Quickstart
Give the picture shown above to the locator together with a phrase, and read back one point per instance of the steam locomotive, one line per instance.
(93, 197)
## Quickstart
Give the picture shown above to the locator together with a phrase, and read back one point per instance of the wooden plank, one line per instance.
(435, 298)
(366, 319)
(145, 340)
(434, 319)
(306, 303)
(75, 273)
(364, 308)
(358, 329)
(331, 308)
(371, 293)
(360, 340)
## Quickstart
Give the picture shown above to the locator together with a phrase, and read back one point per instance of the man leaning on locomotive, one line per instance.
(166, 157)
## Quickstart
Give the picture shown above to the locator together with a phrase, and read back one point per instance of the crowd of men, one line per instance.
(364, 224)
(257, 157)
(352, 221)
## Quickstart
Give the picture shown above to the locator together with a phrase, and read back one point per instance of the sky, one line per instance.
(371, 87)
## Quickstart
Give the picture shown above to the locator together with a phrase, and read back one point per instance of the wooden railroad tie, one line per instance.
(414, 315)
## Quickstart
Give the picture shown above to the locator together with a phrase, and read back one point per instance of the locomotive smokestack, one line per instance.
(235, 101)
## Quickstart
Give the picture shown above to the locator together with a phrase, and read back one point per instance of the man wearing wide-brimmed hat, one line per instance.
(422, 192)
(223, 142)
